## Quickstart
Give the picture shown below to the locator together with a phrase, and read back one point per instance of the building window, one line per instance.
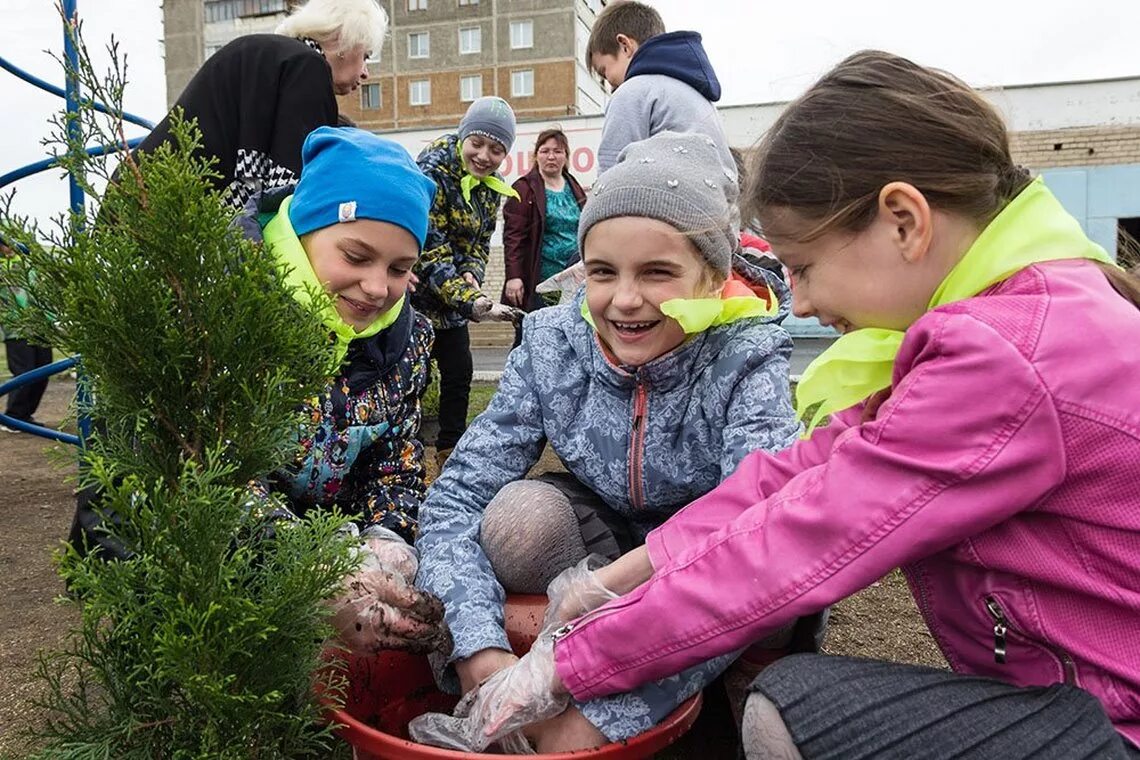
(468, 2)
(417, 5)
(419, 92)
(522, 34)
(370, 97)
(470, 88)
(419, 45)
(470, 40)
(225, 10)
(522, 83)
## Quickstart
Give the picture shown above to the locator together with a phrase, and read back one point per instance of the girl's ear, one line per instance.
(905, 209)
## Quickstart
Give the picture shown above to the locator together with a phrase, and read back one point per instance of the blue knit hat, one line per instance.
(349, 174)
(492, 117)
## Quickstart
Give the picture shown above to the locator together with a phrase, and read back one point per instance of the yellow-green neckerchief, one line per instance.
(1031, 229)
(695, 315)
(469, 181)
(287, 249)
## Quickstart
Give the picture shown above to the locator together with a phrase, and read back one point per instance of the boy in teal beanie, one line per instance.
(355, 225)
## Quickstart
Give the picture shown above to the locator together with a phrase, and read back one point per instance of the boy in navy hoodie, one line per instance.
(660, 81)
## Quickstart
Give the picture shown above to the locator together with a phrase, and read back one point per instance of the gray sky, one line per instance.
(761, 51)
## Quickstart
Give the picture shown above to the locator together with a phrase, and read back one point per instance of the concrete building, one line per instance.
(194, 29)
(440, 55)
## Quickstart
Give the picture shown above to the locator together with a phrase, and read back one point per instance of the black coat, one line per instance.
(256, 100)
(524, 221)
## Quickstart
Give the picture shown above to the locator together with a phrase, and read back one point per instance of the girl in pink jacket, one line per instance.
(978, 425)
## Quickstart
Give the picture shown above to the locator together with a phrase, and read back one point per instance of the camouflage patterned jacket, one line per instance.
(458, 239)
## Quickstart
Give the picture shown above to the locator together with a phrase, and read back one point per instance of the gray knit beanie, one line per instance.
(677, 179)
(490, 117)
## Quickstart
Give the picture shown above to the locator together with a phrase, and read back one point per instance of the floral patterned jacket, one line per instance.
(647, 441)
(458, 240)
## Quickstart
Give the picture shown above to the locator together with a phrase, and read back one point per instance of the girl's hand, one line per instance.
(526, 693)
(470, 280)
(513, 291)
(381, 609)
(575, 591)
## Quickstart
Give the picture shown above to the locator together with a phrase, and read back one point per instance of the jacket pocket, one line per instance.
(1025, 653)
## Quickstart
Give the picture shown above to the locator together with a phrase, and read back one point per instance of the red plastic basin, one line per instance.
(387, 690)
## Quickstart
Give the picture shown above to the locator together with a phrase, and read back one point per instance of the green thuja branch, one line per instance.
(205, 644)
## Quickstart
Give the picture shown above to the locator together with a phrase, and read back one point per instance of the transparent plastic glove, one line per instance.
(566, 281)
(575, 591)
(486, 310)
(495, 711)
(381, 609)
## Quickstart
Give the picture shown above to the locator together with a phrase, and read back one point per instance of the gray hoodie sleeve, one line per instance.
(500, 447)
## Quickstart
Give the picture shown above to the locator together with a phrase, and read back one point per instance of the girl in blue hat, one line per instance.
(354, 225)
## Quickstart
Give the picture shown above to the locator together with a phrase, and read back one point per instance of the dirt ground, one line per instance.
(35, 513)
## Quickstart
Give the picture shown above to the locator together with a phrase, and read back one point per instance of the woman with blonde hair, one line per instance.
(259, 96)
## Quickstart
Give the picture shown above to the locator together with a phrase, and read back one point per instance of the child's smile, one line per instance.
(633, 265)
(365, 263)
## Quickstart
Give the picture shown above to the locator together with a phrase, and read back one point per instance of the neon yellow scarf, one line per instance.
(469, 181)
(286, 247)
(1031, 229)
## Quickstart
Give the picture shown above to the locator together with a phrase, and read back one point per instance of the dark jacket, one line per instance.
(679, 55)
(256, 100)
(524, 223)
(458, 240)
(359, 449)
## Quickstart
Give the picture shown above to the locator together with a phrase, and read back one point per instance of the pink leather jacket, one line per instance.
(1001, 474)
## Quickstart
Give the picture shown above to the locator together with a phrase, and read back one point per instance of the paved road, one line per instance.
(489, 361)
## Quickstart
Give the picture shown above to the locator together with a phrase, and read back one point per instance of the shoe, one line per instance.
(6, 429)
(441, 459)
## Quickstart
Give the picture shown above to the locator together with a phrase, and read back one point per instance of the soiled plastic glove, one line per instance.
(380, 608)
(566, 281)
(576, 591)
(486, 310)
(495, 711)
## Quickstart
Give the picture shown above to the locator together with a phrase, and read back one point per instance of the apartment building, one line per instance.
(440, 55)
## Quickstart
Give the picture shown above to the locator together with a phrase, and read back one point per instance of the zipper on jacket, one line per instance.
(637, 446)
(566, 630)
(1002, 627)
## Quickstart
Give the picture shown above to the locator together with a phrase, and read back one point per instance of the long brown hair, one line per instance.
(877, 118)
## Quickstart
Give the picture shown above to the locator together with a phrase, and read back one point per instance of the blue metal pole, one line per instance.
(30, 377)
(47, 163)
(71, 54)
(71, 19)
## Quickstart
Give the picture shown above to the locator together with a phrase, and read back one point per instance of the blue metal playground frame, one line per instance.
(71, 94)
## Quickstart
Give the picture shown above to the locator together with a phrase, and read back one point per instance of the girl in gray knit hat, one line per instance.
(469, 191)
(650, 387)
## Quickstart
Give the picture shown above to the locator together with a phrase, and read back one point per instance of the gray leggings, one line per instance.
(534, 529)
(853, 708)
